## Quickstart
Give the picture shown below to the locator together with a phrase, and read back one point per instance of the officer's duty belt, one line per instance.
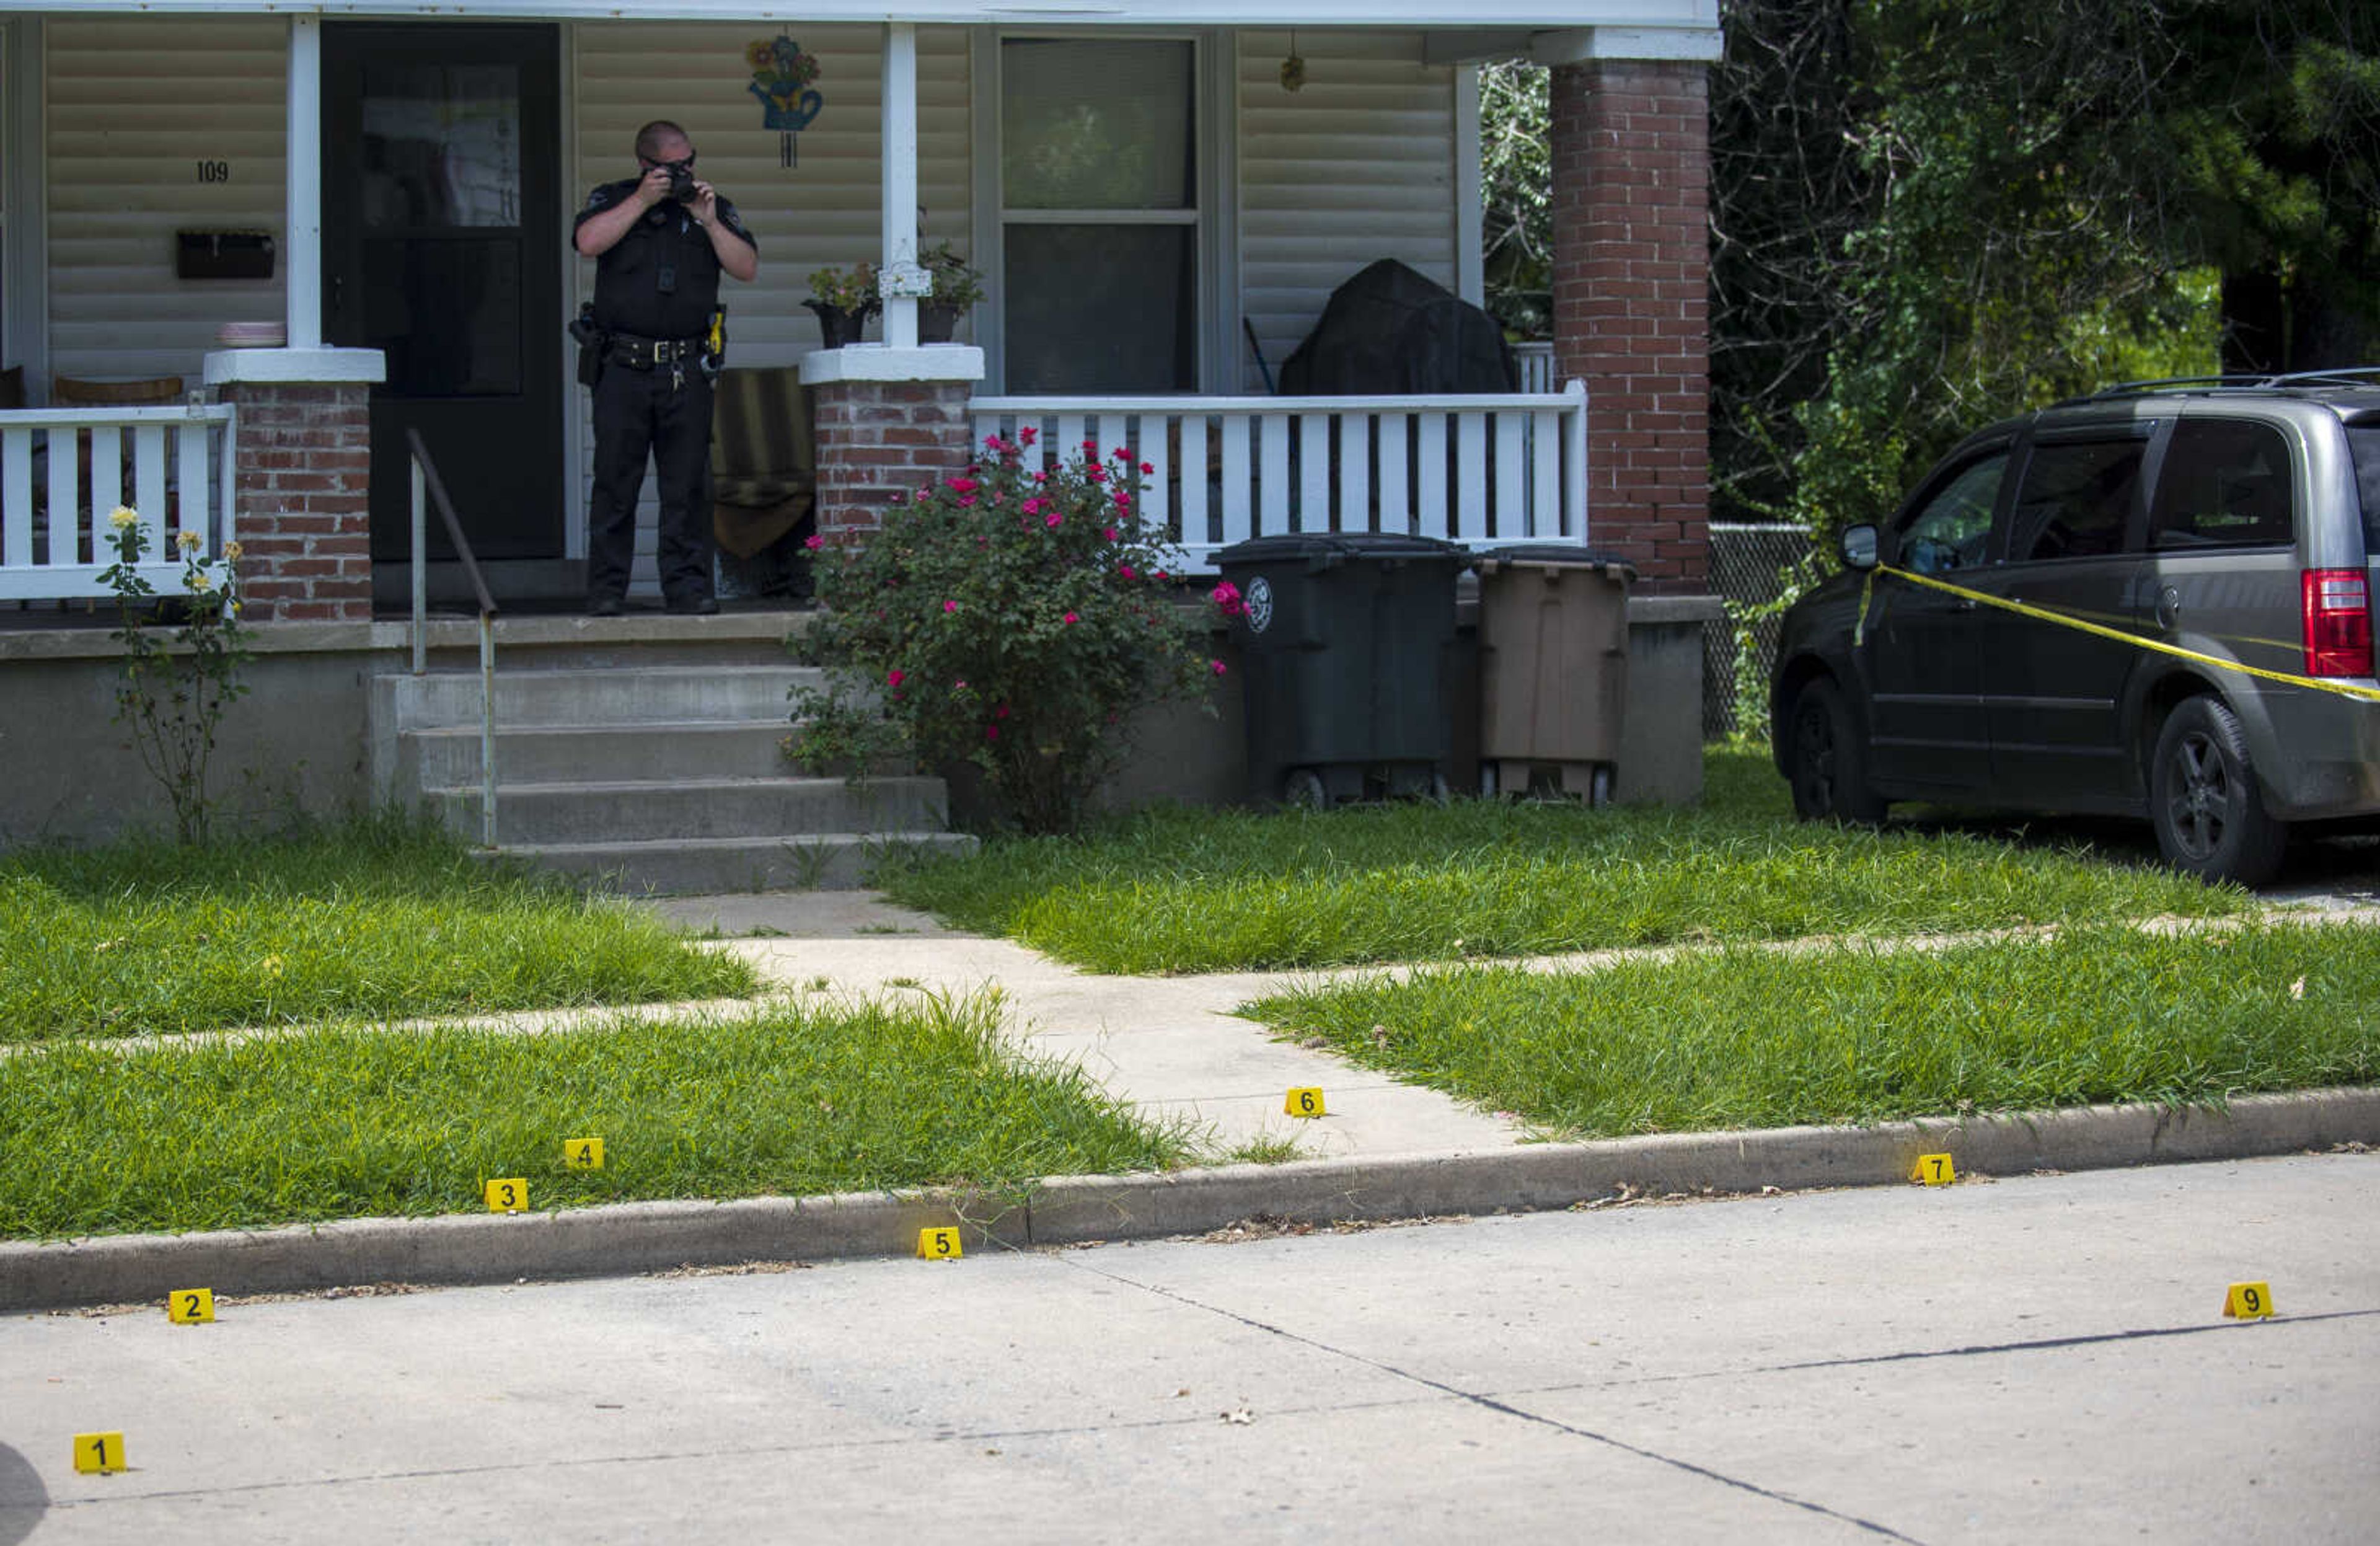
(643, 354)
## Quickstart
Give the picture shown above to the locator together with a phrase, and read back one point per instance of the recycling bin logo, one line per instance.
(1259, 603)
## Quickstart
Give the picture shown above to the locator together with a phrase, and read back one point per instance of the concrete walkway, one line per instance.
(1170, 1045)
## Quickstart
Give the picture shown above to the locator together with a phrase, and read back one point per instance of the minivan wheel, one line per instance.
(1829, 766)
(2205, 799)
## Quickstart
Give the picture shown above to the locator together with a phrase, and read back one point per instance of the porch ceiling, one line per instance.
(1549, 15)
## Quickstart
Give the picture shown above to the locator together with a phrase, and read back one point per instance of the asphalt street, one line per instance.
(2034, 1359)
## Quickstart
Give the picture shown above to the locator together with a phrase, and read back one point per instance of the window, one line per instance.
(2076, 499)
(2363, 444)
(1099, 215)
(1950, 529)
(2225, 483)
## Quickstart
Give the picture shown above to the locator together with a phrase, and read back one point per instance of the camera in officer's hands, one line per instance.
(681, 180)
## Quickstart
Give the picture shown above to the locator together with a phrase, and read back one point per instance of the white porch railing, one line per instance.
(1479, 470)
(1536, 358)
(63, 472)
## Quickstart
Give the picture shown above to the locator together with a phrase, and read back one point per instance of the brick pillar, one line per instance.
(876, 439)
(1631, 310)
(303, 480)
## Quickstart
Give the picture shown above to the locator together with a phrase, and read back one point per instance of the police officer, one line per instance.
(661, 241)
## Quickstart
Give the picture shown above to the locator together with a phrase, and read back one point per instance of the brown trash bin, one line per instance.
(1553, 670)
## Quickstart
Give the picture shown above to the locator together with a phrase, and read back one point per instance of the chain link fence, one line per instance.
(1749, 565)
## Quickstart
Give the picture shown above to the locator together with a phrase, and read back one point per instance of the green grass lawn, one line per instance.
(1178, 890)
(378, 918)
(341, 1122)
(1745, 1038)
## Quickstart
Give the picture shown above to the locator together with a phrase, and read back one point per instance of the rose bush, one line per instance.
(1011, 617)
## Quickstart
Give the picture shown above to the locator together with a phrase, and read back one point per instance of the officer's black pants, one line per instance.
(667, 416)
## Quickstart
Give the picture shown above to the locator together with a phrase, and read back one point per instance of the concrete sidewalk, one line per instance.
(1170, 1045)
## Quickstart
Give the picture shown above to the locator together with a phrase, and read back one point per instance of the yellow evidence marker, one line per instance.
(508, 1195)
(190, 1307)
(940, 1244)
(1935, 1170)
(2249, 1301)
(1305, 1100)
(97, 1453)
(582, 1153)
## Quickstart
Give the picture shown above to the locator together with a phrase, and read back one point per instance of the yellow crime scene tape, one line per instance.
(1867, 594)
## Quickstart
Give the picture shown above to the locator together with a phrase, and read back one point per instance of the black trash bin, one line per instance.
(1344, 651)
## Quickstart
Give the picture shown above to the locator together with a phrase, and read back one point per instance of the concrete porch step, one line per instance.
(812, 861)
(448, 755)
(761, 810)
(645, 695)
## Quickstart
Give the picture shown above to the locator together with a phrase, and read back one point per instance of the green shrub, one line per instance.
(1009, 617)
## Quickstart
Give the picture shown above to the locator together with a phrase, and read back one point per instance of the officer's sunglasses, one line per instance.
(686, 166)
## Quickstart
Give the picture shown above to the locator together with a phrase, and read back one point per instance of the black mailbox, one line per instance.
(223, 254)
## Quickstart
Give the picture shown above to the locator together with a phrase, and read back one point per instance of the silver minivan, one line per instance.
(2153, 601)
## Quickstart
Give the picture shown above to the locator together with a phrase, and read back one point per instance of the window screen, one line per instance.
(1100, 210)
(2076, 499)
(2225, 484)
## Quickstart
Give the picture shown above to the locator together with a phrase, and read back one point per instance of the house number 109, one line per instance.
(215, 171)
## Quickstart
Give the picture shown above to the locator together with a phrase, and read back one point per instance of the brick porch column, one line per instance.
(886, 421)
(1631, 291)
(302, 478)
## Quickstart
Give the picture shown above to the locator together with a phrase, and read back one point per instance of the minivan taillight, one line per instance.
(2337, 623)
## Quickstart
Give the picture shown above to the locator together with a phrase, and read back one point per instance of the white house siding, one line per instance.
(823, 212)
(1357, 165)
(134, 104)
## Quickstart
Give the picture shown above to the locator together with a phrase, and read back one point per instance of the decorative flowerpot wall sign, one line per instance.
(782, 73)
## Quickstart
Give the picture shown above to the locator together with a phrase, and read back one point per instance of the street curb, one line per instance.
(645, 1236)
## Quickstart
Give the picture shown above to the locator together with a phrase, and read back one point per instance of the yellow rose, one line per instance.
(189, 541)
(232, 552)
(201, 581)
(124, 516)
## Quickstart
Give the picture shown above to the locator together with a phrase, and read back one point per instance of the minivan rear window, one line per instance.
(2364, 442)
(2225, 483)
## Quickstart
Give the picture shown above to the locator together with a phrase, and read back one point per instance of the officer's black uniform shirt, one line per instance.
(660, 280)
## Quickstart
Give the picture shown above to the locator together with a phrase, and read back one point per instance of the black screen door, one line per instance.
(442, 223)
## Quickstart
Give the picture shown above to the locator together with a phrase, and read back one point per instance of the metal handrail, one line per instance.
(427, 482)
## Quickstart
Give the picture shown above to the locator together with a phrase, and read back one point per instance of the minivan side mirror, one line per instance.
(1859, 547)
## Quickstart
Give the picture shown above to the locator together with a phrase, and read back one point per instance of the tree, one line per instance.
(1927, 213)
(1516, 189)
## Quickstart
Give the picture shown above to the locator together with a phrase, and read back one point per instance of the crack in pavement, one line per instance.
(1489, 1403)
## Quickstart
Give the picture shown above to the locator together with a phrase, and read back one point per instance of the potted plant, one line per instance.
(843, 300)
(956, 287)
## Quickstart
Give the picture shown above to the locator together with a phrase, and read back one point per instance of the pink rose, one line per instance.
(1051, 520)
(1033, 507)
(1027, 435)
(966, 500)
(963, 485)
(1095, 473)
(1091, 446)
(991, 732)
(1218, 665)
(1125, 569)
(814, 541)
(1069, 617)
(1148, 468)
(895, 677)
(950, 606)
(1227, 600)
(1109, 532)
(1001, 713)
(1123, 500)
